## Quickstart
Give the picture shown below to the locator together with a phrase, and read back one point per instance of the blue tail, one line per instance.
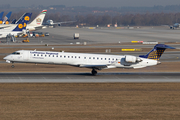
(6, 18)
(1, 15)
(156, 52)
(25, 16)
(22, 25)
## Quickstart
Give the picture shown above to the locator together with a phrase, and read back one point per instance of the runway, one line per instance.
(88, 78)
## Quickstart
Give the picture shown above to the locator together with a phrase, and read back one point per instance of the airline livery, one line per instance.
(92, 61)
(18, 29)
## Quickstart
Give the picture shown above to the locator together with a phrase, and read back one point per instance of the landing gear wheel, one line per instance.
(12, 66)
(94, 72)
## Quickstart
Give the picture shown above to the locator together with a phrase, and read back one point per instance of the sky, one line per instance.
(92, 3)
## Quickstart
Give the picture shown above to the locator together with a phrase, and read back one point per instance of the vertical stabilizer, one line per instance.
(156, 52)
(6, 18)
(39, 19)
(21, 26)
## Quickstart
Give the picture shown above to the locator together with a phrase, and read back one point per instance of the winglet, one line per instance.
(157, 51)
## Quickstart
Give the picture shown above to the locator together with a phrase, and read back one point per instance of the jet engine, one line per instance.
(132, 59)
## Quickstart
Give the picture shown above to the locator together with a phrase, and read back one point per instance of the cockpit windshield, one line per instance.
(16, 53)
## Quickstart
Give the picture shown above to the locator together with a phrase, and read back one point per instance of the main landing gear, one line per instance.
(94, 72)
(12, 65)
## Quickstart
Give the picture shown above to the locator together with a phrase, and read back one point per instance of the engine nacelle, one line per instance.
(131, 59)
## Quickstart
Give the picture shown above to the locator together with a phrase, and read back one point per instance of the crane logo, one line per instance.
(20, 26)
(26, 18)
(7, 22)
(1, 22)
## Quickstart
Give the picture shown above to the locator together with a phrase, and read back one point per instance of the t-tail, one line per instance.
(39, 19)
(156, 52)
(6, 18)
(21, 26)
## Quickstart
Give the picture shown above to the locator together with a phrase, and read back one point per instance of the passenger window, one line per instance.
(84, 57)
(64, 56)
(104, 58)
(89, 57)
(93, 57)
(101, 58)
(34, 54)
(71, 56)
(68, 56)
(49, 55)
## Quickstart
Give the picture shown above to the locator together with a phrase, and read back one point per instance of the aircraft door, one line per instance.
(26, 55)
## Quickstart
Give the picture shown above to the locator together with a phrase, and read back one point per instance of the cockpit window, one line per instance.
(16, 53)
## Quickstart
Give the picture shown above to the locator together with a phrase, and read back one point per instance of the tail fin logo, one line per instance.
(156, 54)
(20, 26)
(1, 21)
(26, 18)
(38, 21)
(7, 22)
(25, 24)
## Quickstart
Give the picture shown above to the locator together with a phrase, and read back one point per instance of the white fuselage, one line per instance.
(78, 59)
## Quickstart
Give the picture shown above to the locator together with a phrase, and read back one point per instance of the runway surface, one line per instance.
(88, 78)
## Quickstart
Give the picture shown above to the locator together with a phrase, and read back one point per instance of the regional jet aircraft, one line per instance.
(92, 61)
(51, 23)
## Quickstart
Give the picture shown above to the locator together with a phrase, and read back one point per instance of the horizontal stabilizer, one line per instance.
(157, 51)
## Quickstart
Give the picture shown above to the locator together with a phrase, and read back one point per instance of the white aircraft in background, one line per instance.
(92, 61)
(176, 25)
(37, 22)
(19, 29)
(51, 23)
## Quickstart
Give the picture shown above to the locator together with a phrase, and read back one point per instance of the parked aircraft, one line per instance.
(5, 20)
(176, 25)
(14, 31)
(34, 25)
(25, 16)
(51, 23)
(92, 61)
(37, 22)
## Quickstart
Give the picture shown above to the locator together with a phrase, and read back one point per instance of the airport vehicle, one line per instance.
(14, 31)
(76, 35)
(26, 40)
(46, 34)
(92, 61)
(25, 16)
(51, 23)
(5, 20)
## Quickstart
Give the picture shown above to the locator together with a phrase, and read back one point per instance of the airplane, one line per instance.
(25, 16)
(14, 31)
(34, 25)
(51, 23)
(176, 25)
(37, 22)
(5, 20)
(87, 60)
